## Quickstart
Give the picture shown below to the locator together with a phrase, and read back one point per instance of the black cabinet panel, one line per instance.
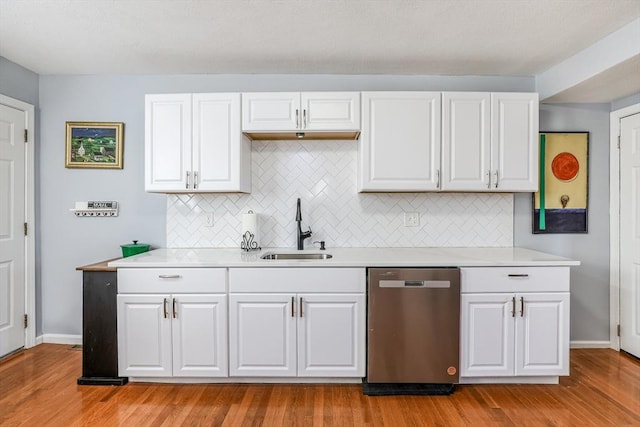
(99, 329)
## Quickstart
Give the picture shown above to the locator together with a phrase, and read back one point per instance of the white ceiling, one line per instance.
(429, 37)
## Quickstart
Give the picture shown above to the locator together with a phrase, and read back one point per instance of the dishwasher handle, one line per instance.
(415, 283)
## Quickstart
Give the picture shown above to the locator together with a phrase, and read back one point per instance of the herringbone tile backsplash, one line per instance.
(323, 175)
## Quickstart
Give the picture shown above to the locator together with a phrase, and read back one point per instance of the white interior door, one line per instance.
(630, 234)
(12, 239)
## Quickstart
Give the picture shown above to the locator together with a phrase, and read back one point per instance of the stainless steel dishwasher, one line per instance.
(413, 330)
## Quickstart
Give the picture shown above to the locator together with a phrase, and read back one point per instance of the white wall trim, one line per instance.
(601, 56)
(590, 344)
(614, 222)
(30, 244)
(61, 339)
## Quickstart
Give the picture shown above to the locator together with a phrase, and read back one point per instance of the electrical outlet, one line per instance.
(209, 219)
(411, 219)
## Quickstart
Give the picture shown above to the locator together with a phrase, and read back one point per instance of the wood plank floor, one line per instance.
(38, 388)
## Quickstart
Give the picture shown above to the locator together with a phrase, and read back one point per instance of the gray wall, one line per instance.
(589, 281)
(68, 242)
(18, 82)
(625, 102)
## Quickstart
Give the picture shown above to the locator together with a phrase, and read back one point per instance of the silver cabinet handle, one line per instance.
(489, 179)
(438, 178)
(175, 313)
(300, 306)
(293, 310)
(169, 276)
(187, 185)
(518, 275)
(513, 307)
(195, 180)
(521, 306)
(164, 305)
(304, 118)
(497, 178)
(297, 118)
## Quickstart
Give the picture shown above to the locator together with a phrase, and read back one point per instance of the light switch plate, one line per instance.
(209, 219)
(412, 219)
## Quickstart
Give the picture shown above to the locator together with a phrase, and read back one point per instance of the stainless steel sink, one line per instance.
(294, 256)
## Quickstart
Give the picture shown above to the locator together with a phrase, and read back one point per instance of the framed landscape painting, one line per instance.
(94, 145)
(560, 205)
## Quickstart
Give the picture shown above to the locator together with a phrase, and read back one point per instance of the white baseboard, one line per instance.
(590, 344)
(59, 339)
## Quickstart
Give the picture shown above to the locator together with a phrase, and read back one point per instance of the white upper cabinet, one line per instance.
(275, 115)
(466, 141)
(514, 141)
(270, 111)
(450, 141)
(330, 111)
(167, 141)
(399, 146)
(194, 143)
(489, 141)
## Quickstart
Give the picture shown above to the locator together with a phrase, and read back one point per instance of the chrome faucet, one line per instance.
(302, 235)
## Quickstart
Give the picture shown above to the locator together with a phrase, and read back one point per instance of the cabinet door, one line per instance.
(221, 154)
(144, 336)
(466, 141)
(399, 146)
(487, 335)
(515, 141)
(331, 335)
(271, 111)
(199, 335)
(262, 338)
(167, 142)
(542, 334)
(339, 111)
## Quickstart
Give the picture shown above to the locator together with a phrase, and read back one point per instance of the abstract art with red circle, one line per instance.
(560, 205)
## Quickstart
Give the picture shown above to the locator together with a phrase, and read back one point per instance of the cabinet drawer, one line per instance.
(297, 280)
(171, 280)
(514, 279)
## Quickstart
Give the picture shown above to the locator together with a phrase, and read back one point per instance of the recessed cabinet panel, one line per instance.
(515, 136)
(399, 146)
(331, 336)
(215, 130)
(167, 141)
(544, 328)
(332, 111)
(144, 336)
(487, 335)
(466, 142)
(270, 111)
(261, 335)
(199, 335)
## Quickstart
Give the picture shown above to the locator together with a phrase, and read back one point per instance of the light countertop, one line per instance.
(347, 257)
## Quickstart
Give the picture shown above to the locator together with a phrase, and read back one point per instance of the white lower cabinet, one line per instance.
(316, 333)
(262, 335)
(521, 334)
(172, 334)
